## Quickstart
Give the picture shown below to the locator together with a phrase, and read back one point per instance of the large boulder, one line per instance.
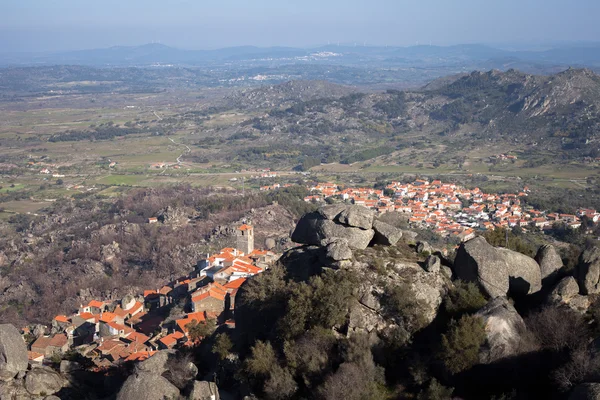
(315, 229)
(44, 380)
(339, 250)
(304, 261)
(566, 292)
(504, 328)
(586, 391)
(386, 234)
(356, 216)
(523, 272)
(550, 263)
(424, 247)
(588, 271)
(13, 351)
(331, 211)
(157, 364)
(496, 270)
(433, 264)
(204, 390)
(147, 386)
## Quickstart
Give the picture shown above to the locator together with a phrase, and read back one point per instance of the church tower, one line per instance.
(245, 239)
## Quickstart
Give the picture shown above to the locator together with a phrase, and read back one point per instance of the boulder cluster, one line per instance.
(344, 236)
(349, 237)
(19, 380)
(340, 228)
(148, 381)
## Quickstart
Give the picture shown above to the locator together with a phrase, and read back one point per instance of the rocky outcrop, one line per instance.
(496, 270)
(303, 262)
(504, 328)
(385, 234)
(44, 380)
(550, 263)
(427, 289)
(356, 216)
(588, 271)
(147, 381)
(586, 391)
(148, 386)
(566, 293)
(172, 215)
(315, 229)
(433, 264)
(204, 391)
(13, 352)
(339, 250)
(424, 247)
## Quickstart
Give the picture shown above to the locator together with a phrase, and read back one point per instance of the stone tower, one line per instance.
(245, 238)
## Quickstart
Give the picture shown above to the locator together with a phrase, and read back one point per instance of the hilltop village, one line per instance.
(448, 209)
(134, 328)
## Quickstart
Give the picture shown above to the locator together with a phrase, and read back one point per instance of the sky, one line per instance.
(60, 25)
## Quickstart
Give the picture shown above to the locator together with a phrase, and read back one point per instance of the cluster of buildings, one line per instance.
(108, 332)
(449, 209)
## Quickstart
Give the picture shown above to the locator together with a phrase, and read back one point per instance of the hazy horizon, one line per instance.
(62, 25)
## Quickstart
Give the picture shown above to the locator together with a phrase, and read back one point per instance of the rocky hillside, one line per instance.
(359, 310)
(535, 116)
(481, 323)
(287, 93)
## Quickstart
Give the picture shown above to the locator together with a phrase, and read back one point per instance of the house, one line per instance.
(93, 307)
(140, 356)
(169, 341)
(60, 322)
(58, 344)
(152, 220)
(182, 324)
(34, 357)
(49, 346)
(209, 298)
(232, 289)
(40, 345)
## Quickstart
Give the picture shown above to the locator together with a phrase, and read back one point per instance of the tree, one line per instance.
(222, 346)
(200, 330)
(435, 391)
(262, 359)
(465, 297)
(462, 342)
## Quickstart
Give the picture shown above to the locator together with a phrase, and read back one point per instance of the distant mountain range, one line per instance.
(470, 56)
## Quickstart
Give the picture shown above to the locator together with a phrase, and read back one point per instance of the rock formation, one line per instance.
(496, 270)
(550, 263)
(588, 271)
(386, 234)
(315, 229)
(13, 352)
(503, 327)
(566, 292)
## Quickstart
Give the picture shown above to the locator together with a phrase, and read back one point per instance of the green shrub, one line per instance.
(461, 344)
(435, 391)
(262, 359)
(222, 346)
(402, 305)
(464, 298)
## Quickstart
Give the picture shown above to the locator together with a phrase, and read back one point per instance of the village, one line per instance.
(448, 209)
(134, 328)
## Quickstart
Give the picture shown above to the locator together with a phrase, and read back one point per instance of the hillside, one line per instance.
(287, 93)
(546, 119)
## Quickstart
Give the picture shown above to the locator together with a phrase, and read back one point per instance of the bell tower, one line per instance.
(245, 238)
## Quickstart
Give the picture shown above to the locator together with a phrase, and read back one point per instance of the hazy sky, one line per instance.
(40, 25)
